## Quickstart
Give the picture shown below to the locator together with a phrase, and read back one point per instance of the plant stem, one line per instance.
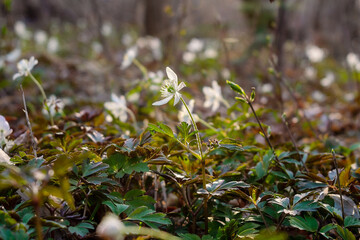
(141, 67)
(293, 140)
(28, 121)
(44, 97)
(198, 139)
(132, 115)
(262, 215)
(339, 185)
(262, 129)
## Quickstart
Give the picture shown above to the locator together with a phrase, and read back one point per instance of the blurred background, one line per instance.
(298, 54)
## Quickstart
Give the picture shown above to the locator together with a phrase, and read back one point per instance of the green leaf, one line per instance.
(308, 223)
(164, 129)
(236, 88)
(81, 229)
(89, 168)
(327, 228)
(149, 217)
(350, 221)
(116, 208)
(344, 233)
(252, 96)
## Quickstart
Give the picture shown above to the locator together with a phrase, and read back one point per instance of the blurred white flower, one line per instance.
(5, 130)
(195, 45)
(152, 43)
(53, 45)
(349, 97)
(4, 158)
(314, 53)
(170, 88)
(97, 47)
(266, 88)
(156, 48)
(156, 80)
(21, 31)
(328, 79)
(213, 96)
(12, 56)
(183, 114)
(24, 67)
(110, 228)
(133, 97)
(129, 56)
(353, 60)
(318, 96)
(310, 73)
(40, 37)
(117, 107)
(210, 53)
(106, 29)
(55, 105)
(127, 39)
(188, 57)
(225, 73)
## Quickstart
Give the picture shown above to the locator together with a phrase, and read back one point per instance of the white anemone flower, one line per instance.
(213, 96)
(40, 37)
(353, 61)
(195, 45)
(129, 57)
(21, 30)
(53, 45)
(55, 105)
(5, 129)
(156, 79)
(111, 228)
(170, 89)
(183, 114)
(117, 107)
(314, 53)
(24, 67)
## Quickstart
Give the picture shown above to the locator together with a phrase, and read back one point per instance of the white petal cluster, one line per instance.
(156, 79)
(213, 96)
(129, 57)
(110, 228)
(353, 60)
(314, 53)
(5, 131)
(55, 105)
(117, 107)
(24, 67)
(170, 89)
(183, 114)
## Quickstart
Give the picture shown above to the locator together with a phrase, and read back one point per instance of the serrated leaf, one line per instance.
(149, 217)
(350, 221)
(116, 208)
(308, 223)
(89, 168)
(327, 228)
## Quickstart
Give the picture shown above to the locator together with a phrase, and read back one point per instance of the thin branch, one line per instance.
(28, 121)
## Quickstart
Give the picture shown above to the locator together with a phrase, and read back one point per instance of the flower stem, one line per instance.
(339, 185)
(141, 67)
(262, 129)
(198, 139)
(44, 97)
